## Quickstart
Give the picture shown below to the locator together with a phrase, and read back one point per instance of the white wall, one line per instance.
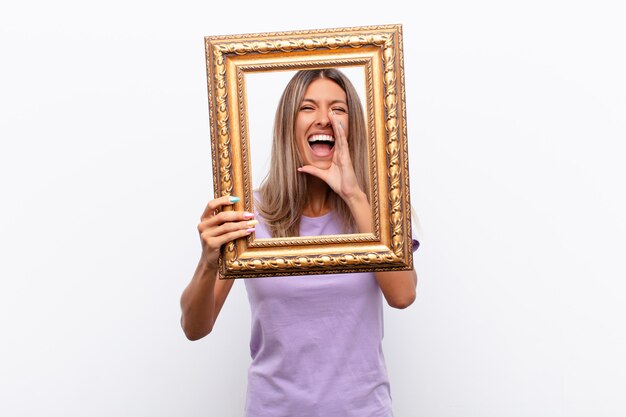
(516, 118)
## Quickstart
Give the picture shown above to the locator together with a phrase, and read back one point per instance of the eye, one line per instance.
(306, 107)
(340, 110)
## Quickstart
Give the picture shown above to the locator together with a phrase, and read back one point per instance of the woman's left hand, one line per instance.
(340, 175)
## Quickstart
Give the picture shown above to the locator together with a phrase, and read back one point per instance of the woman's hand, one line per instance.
(340, 175)
(218, 227)
(204, 297)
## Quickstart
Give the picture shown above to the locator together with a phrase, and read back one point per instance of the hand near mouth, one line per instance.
(340, 176)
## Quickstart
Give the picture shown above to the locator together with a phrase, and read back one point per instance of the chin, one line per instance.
(322, 164)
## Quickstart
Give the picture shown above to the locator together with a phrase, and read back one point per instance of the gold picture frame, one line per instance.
(378, 49)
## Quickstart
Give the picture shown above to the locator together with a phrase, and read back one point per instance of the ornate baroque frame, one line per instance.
(379, 50)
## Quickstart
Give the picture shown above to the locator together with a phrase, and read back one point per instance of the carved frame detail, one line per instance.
(379, 50)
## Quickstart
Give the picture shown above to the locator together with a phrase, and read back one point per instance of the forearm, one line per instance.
(198, 303)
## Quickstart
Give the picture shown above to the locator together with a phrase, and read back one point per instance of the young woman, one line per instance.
(316, 341)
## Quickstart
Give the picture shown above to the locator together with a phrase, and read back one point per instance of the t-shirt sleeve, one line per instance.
(416, 243)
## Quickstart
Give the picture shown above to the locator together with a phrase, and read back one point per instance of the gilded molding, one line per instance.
(322, 48)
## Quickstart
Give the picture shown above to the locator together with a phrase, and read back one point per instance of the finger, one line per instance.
(224, 217)
(214, 205)
(315, 171)
(228, 228)
(339, 131)
(335, 123)
(215, 242)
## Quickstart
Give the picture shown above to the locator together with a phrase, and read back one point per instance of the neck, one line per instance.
(317, 203)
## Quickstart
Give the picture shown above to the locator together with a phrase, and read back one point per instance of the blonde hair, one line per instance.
(283, 192)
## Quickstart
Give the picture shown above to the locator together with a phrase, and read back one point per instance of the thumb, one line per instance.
(315, 171)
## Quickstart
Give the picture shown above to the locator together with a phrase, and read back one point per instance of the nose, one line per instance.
(321, 118)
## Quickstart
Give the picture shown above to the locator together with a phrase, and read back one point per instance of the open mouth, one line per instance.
(321, 145)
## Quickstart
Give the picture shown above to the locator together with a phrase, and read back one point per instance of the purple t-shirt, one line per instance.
(316, 341)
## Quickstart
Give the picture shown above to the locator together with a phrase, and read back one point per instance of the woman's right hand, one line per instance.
(218, 227)
(204, 296)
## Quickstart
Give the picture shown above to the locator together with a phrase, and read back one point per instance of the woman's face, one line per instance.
(314, 132)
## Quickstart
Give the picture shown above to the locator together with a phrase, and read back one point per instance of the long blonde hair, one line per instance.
(283, 192)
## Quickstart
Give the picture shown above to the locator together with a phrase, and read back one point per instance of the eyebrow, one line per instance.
(310, 100)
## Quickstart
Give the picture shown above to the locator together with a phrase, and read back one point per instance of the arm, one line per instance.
(204, 296)
(398, 287)
(202, 301)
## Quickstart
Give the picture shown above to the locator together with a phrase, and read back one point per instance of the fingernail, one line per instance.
(233, 199)
(250, 230)
(247, 215)
(253, 222)
(341, 124)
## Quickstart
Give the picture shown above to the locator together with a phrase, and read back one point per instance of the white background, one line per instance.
(516, 121)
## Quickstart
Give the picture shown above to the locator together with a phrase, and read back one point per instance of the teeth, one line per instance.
(321, 138)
